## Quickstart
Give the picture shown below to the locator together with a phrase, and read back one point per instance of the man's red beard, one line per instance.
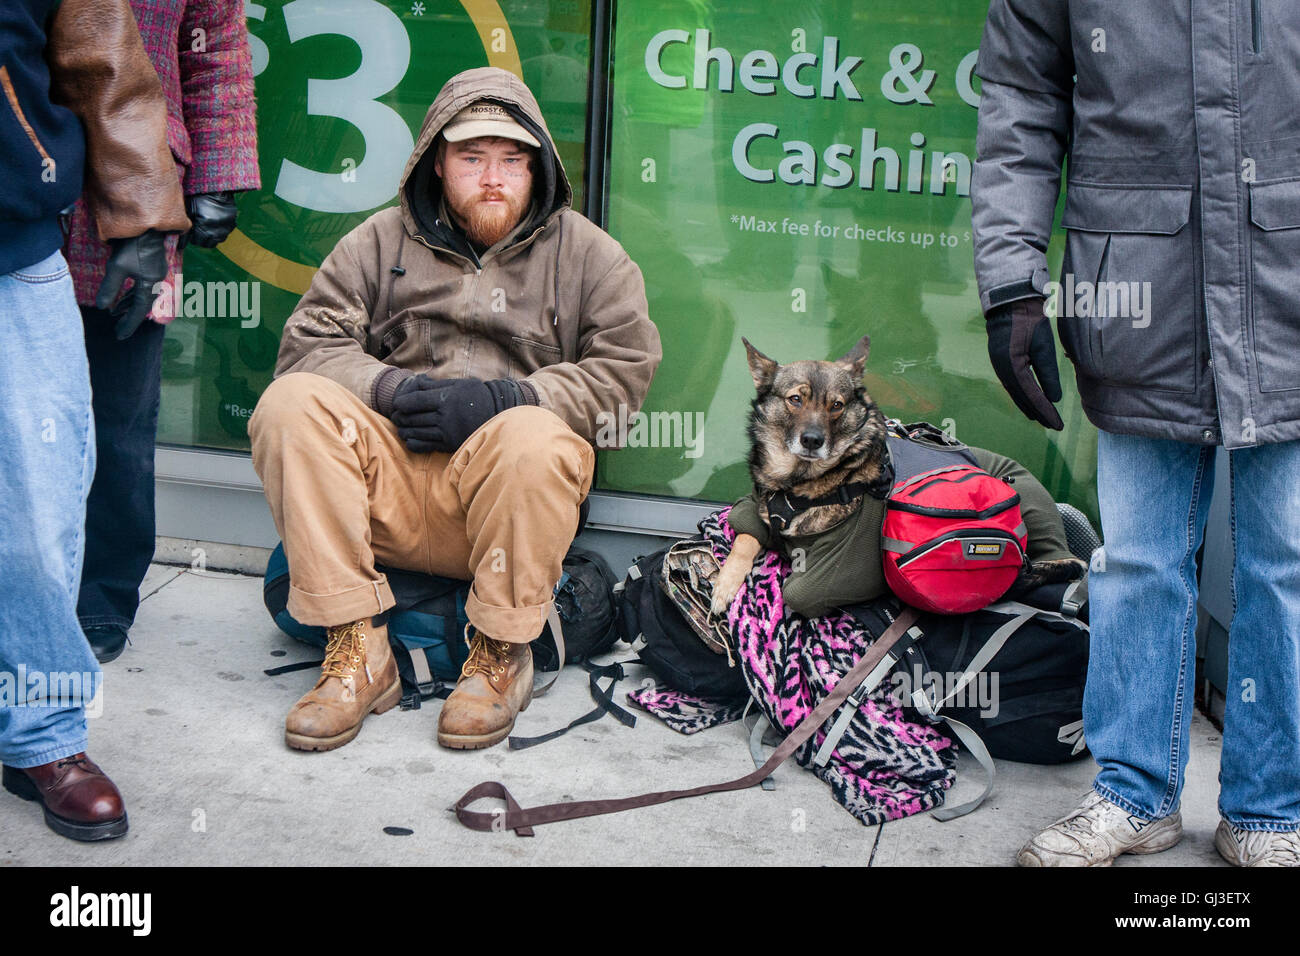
(487, 224)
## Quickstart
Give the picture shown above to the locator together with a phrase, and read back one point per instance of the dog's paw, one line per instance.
(726, 587)
(1047, 572)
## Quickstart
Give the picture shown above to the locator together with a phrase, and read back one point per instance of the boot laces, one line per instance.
(345, 651)
(486, 656)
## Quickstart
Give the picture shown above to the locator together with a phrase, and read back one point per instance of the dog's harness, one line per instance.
(783, 507)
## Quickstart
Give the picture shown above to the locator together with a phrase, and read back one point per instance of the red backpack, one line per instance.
(953, 539)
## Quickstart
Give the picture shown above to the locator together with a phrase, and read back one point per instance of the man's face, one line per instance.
(488, 182)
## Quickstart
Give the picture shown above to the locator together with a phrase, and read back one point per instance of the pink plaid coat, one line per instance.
(211, 123)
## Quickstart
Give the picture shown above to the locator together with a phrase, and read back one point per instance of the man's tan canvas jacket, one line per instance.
(556, 305)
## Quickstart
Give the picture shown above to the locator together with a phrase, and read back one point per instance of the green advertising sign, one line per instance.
(799, 175)
(342, 88)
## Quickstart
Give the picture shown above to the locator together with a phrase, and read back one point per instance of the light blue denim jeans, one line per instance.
(48, 673)
(1154, 497)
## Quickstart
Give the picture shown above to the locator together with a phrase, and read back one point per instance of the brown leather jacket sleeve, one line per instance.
(101, 72)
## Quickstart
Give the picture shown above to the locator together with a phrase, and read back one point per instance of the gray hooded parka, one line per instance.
(1181, 123)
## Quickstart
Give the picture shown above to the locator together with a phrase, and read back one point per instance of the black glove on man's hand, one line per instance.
(213, 215)
(439, 414)
(1023, 351)
(143, 259)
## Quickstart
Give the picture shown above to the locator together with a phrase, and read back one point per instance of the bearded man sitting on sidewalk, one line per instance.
(434, 406)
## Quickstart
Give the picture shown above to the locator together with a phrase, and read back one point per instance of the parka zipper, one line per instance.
(1256, 26)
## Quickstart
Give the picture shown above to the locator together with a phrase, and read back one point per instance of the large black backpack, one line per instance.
(584, 601)
(942, 671)
(666, 643)
(1028, 701)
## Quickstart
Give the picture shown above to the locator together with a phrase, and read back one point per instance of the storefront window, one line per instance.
(799, 175)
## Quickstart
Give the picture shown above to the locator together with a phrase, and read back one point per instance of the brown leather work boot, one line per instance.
(359, 676)
(79, 800)
(495, 684)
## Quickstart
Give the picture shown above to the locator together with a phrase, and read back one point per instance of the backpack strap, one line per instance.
(966, 734)
(418, 682)
(557, 632)
(756, 734)
(860, 693)
(603, 699)
(522, 820)
(1072, 733)
(972, 742)
(1069, 604)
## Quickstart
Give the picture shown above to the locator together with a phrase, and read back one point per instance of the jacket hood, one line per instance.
(420, 188)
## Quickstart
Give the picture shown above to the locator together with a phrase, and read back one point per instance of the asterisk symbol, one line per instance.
(735, 219)
(417, 9)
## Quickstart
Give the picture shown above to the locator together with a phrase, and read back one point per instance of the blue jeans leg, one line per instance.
(1154, 498)
(48, 674)
(1259, 771)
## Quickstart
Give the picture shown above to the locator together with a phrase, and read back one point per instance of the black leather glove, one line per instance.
(143, 259)
(439, 414)
(1023, 351)
(213, 216)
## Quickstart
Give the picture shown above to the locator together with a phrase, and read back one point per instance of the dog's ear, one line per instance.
(762, 368)
(856, 357)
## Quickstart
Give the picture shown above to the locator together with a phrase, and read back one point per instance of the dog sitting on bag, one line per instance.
(817, 438)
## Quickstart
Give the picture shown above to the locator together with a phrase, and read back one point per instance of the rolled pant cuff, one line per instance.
(48, 755)
(340, 607)
(515, 625)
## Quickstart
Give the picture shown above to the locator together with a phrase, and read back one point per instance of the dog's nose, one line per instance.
(812, 440)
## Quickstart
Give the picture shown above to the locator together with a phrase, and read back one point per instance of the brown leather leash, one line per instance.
(522, 820)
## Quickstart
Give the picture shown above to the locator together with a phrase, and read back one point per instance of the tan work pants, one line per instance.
(346, 493)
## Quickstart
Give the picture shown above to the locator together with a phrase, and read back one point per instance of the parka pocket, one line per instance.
(1275, 283)
(1131, 269)
(1085, 254)
(528, 355)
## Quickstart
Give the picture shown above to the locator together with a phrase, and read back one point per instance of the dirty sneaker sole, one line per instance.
(1163, 838)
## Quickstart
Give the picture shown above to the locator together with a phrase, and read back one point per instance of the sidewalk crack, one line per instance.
(161, 586)
(879, 830)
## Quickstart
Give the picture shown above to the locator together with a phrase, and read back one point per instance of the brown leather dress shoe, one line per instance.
(359, 677)
(80, 802)
(495, 684)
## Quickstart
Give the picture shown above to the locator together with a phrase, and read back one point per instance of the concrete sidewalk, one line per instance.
(192, 732)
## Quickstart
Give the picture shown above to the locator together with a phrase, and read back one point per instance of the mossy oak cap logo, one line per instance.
(486, 119)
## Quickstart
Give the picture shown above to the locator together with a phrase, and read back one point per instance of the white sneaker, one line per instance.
(1096, 832)
(1257, 847)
